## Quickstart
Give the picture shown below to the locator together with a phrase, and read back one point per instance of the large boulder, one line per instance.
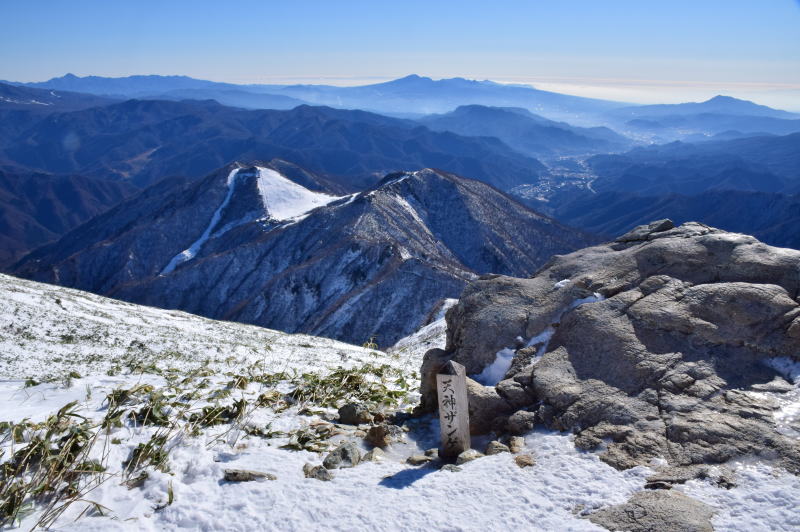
(659, 344)
(656, 510)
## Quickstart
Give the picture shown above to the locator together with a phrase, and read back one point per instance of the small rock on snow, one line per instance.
(346, 455)
(246, 475)
(524, 460)
(495, 447)
(317, 472)
(468, 456)
(418, 459)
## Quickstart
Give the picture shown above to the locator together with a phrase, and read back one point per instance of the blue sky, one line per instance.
(643, 50)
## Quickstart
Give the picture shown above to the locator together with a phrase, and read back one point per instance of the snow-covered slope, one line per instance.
(432, 335)
(84, 347)
(47, 330)
(284, 199)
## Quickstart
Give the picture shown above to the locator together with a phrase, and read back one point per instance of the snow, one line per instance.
(49, 330)
(430, 336)
(494, 372)
(46, 331)
(764, 498)
(787, 414)
(23, 102)
(406, 206)
(284, 199)
(191, 252)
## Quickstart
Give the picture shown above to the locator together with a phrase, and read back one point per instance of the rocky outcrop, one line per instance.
(659, 344)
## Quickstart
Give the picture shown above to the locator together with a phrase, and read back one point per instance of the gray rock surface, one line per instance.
(317, 472)
(485, 405)
(383, 435)
(521, 422)
(495, 447)
(432, 363)
(524, 460)
(647, 511)
(666, 477)
(345, 455)
(354, 414)
(374, 455)
(418, 459)
(468, 456)
(246, 475)
(657, 342)
(516, 444)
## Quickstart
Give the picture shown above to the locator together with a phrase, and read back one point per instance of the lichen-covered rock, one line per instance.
(650, 345)
(384, 435)
(317, 472)
(468, 456)
(246, 475)
(418, 459)
(495, 447)
(374, 455)
(521, 422)
(524, 460)
(485, 405)
(516, 444)
(656, 510)
(345, 455)
(354, 414)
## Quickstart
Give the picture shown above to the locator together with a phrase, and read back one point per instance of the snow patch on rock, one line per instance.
(494, 372)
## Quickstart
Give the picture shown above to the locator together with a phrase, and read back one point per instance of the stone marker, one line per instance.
(451, 386)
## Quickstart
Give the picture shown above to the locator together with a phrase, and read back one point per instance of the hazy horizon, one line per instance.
(638, 52)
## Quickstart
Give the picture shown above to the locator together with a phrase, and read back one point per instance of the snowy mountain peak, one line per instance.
(279, 199)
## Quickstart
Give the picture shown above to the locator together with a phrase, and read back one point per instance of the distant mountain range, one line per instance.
(526, 132)
(770, 217)
(68, 156)
(239, 245)
(749, 185)
(142, 141)
(769, 164)
(38, 208)
(409, 95)
(721, 105)
(14, 98)
(721, 115)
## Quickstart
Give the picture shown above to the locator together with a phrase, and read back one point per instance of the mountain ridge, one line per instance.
(144, 140)
(446, 93)
(344, 270)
